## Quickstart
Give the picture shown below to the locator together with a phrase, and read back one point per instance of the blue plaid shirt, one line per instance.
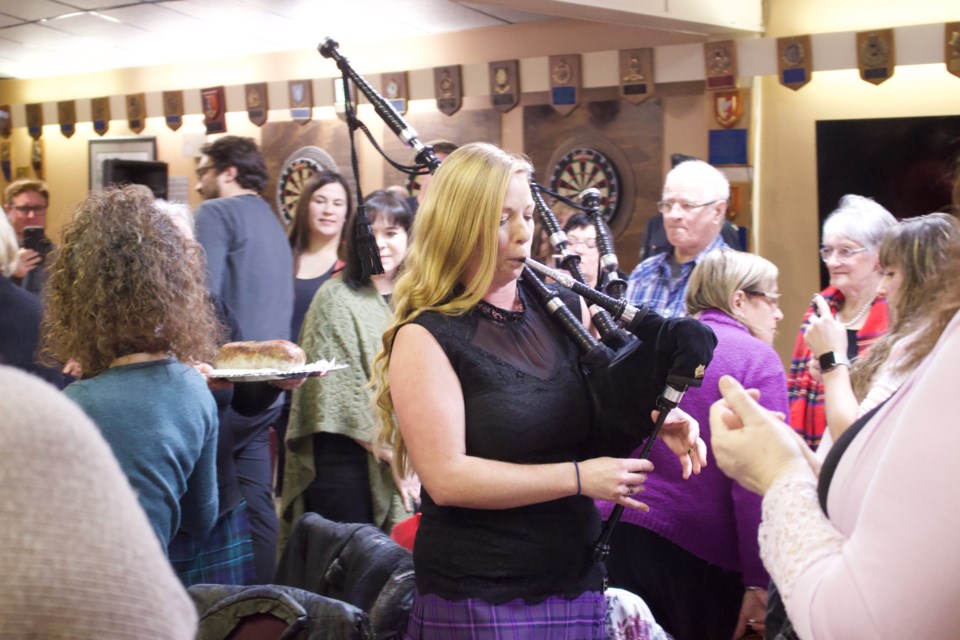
(651, 285)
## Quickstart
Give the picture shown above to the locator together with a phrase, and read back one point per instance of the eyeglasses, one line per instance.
(26, 208)
(202, 171)
(666, 206)
(772, 298)
(589, 243)
(842, 253)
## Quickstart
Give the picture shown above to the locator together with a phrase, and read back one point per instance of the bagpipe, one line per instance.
(641, 362)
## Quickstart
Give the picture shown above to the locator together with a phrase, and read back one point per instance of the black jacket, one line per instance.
(355, 563)
(303, 615)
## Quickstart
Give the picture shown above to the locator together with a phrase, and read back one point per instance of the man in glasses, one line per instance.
(250, 267)
(26, 204)
(655, 236)
(694, 206)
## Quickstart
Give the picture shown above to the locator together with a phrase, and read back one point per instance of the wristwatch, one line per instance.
(831, 360)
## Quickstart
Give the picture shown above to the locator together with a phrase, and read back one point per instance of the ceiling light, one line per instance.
(66, 15)
(105, 17)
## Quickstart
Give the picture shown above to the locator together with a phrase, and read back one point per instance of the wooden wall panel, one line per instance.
(466, 125)
(280, 139)
(632, 134)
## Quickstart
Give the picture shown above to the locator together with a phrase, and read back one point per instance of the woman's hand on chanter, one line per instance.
(615, 479)
(681, 433)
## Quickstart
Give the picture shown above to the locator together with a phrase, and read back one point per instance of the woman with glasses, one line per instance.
(851, 241)
(913, 256)
(582, 240)
(864, 545)
(693, 557)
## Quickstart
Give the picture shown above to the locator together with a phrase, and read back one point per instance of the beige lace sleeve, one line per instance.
(794, 532)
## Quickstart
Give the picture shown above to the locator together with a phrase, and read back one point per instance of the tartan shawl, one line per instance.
(807, 414)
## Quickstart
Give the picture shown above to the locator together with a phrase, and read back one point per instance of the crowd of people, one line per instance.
(466, 410)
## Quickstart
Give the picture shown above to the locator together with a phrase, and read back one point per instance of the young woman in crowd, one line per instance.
(331, 466)
(480, 391)
(846, 540)
(316, 240)
(316, 236)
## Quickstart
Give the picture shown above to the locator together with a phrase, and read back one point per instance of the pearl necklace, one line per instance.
(857, 318)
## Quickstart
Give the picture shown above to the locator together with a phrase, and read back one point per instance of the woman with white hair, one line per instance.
(850, 249)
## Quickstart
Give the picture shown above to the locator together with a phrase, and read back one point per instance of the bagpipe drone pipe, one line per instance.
(649, 360)
(642, 360)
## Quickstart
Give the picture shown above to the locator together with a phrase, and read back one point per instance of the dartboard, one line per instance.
(299, 167)
(583, 168)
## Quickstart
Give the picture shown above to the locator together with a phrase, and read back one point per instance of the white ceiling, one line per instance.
(40, 38)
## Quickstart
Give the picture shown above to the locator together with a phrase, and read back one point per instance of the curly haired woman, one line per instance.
(126, 300)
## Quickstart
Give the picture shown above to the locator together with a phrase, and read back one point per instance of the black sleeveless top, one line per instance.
(526, 403)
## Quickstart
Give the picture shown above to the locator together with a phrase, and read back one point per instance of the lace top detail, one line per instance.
(525, 402)
(795, 533)
(498, 315)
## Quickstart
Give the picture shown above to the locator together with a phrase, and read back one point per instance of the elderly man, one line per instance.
(693, 205)
(25, 202)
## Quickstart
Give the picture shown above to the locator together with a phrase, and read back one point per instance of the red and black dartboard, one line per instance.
(299, 167)
(582, 168)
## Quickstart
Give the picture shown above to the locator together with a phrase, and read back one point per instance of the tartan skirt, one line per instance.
(223, 556)
(556, 618)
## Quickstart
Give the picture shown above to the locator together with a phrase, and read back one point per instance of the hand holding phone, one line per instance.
(35, 239)
(823, 333)
(819, 302)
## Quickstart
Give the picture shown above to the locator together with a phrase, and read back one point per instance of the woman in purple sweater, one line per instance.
(694, 557)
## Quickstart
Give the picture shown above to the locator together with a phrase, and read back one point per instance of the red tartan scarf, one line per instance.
(807, 415)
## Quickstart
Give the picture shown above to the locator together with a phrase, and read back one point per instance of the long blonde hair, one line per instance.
(457, 223)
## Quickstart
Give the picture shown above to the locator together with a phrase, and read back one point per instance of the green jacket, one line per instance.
(348, 326)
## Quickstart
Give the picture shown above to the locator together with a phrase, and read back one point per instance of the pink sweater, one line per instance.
(886, 564)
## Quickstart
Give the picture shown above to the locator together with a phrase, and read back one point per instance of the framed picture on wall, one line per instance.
(130, 148)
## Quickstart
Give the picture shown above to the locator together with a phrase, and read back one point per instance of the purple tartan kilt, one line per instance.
(556, 618)
(223, 556)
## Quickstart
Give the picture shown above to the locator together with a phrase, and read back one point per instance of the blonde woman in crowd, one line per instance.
(481, 393)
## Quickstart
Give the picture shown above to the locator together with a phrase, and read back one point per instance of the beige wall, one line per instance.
(783, 121)
(66, 168)
(787, 190)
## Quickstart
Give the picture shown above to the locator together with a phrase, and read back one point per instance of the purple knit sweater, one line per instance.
(709, 515)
